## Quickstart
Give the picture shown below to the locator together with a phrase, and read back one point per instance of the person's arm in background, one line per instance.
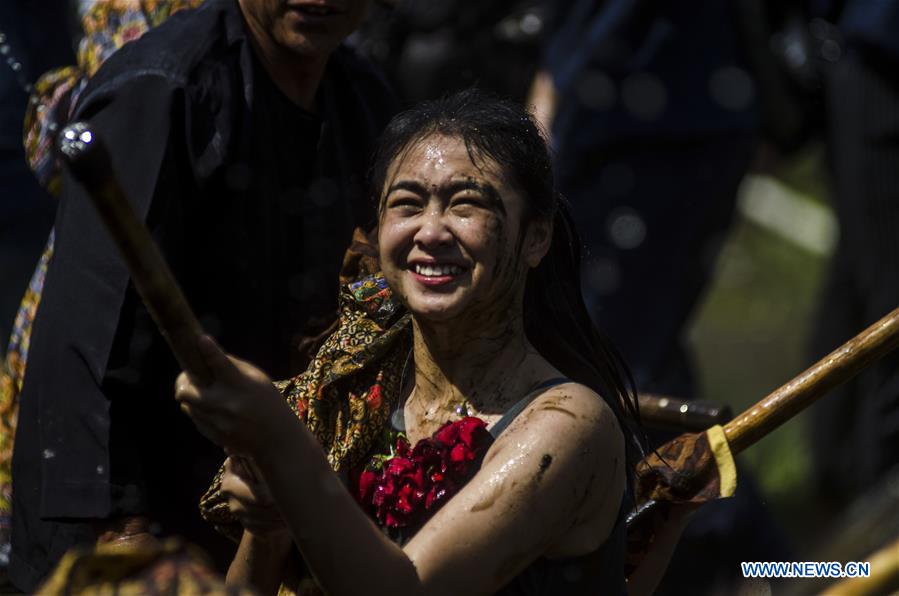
(644, 580)
(542, 98)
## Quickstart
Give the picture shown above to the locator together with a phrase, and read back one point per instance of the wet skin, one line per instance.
(454, 249)
(441, 208)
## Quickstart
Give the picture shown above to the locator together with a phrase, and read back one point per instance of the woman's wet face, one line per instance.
(449, 230)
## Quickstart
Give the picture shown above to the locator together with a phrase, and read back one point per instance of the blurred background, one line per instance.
(734, 167)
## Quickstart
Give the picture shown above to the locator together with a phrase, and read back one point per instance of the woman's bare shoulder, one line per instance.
(571, 413)
(571, 429)
(551, 485)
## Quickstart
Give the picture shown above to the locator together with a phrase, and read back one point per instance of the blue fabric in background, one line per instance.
(872, 24)
(676, 55)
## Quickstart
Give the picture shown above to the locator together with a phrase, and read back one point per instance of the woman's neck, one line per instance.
(482, 367)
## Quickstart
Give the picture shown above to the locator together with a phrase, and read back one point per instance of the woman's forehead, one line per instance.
(443, 153)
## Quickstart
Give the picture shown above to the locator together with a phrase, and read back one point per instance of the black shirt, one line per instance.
(253, 201)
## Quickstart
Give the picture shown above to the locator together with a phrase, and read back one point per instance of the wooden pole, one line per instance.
(837, 367)
(785, 402)
(89, 162)
(884, 577)
(680, 415)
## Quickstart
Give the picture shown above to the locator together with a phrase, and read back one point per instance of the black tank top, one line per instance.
(597, 572)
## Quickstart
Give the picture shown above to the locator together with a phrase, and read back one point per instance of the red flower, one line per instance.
(374, 397)
(413, 484)
(366, 486)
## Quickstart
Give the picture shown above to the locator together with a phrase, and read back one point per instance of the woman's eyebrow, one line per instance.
(486, 189)
(410, 185)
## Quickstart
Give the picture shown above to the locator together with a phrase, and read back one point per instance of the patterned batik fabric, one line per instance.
(168, 568)
(107, 25)
(12, 374)
(347, 393)
(345, 397)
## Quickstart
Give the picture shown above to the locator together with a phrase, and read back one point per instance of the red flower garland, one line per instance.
(409, 487)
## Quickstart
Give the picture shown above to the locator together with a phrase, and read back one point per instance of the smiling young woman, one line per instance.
(492, 451)
(449, 233)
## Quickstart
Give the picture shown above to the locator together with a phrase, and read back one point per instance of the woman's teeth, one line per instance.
(315, 10)
(436, 270)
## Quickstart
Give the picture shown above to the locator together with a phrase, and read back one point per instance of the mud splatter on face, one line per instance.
(495, 309)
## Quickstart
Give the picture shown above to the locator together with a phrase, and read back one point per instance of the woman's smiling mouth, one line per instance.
(436, 270)
(435, 274)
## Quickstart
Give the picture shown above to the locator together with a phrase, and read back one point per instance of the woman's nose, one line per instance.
(433, 230)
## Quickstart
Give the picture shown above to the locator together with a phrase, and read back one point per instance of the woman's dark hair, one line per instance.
(556, 319)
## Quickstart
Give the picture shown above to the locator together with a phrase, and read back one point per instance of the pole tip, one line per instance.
(75, 139)
(83, 151)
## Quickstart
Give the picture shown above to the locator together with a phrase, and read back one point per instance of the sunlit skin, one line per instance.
(294, 39)
(443, 207)
(440, 208)
(551, 485)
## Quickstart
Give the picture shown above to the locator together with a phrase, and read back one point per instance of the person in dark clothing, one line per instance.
(241, 132)
(654, 124)
(855, 433)
(431, 49)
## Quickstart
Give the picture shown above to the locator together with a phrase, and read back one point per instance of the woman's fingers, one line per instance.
(243, 467)
(240, 400)
(250, 502)
(259, 521)
(244, 488)
(235, 486)
(184, 389)
(187, 393)
(197, 401)
(235, 465)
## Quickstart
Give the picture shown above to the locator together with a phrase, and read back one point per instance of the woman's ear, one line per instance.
(537, 241)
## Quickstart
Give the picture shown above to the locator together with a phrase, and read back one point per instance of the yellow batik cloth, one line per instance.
(169, 568)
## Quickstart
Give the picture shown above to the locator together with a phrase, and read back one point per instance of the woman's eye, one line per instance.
(468, 202)
(404, 203)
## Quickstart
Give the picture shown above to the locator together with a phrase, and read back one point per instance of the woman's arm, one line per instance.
(266, 542)
(259, 561)
(542, 99)
(551, 484)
